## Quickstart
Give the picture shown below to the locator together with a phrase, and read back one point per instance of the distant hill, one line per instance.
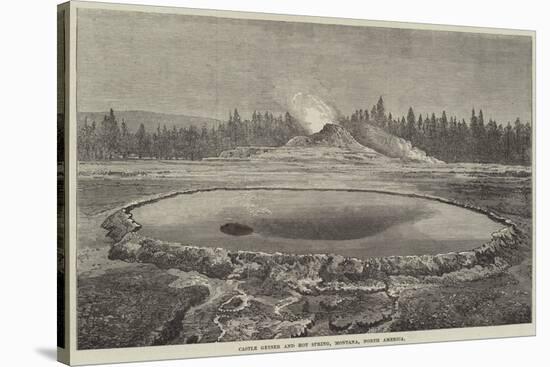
(149, 119)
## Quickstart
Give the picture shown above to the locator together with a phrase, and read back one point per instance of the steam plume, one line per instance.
(312, 111)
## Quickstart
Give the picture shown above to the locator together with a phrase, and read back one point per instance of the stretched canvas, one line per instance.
(234, 183)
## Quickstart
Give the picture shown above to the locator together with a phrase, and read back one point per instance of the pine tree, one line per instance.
(373, 114)
(508, 143)
(203, 142)
(94, 141)
(157, 143)
(493, 142)
(140, 139)
(474, 137)
(174, 136)
(380, 112)
(410, 131)
(463, 141)
(125, 140)
(452, 146)
(109, 136)
(442, 137)
(402, 127)
(83, 141)
(420, 125)
(527, 141)
(519, 141)
(481, 138)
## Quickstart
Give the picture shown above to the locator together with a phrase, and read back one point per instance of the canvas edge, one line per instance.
(73, 356)
(64, 353)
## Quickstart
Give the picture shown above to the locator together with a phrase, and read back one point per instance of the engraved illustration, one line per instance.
(246, 179)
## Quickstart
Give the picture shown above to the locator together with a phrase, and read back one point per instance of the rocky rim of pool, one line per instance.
(309, 272)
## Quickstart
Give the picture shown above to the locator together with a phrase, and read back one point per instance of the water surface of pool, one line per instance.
(356, 224)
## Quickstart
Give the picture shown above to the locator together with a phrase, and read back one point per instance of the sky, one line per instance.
(205, 66)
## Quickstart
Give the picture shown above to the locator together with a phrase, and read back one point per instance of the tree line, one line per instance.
(443, 137)
(451, 139)
(110, 140)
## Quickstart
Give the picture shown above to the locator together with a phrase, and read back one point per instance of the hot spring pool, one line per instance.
(357, 224)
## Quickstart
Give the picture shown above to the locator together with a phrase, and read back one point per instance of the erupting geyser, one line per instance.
(321, 120)
(312, 111)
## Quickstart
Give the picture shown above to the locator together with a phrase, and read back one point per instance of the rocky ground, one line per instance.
(135, 291)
